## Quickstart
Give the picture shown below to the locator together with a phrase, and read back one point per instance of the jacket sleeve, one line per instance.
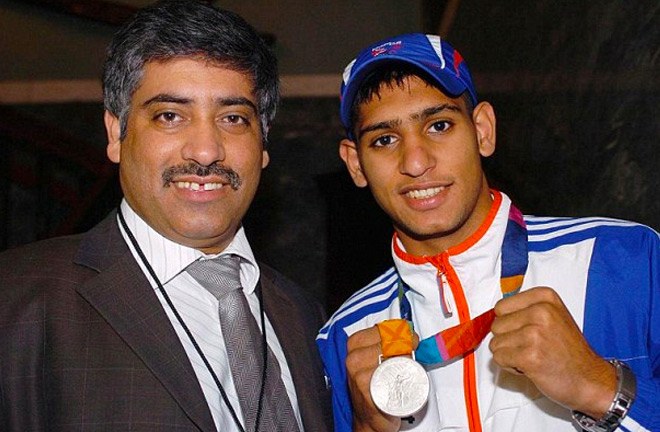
(331, 342)
(645, 411)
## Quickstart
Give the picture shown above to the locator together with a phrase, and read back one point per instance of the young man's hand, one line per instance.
(361, 362)
(535, 335)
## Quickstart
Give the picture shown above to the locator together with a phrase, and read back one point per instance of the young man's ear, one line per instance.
(485, 124)
(113, 131)
(348, 153)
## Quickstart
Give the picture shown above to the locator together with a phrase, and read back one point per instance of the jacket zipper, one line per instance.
(445, 269)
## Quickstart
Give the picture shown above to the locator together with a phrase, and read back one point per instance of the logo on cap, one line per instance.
(458, 59)
(386, 48)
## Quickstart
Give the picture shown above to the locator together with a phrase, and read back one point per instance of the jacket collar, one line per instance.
(472, 259)
(123, 297)
(297, 340)
(399, 251)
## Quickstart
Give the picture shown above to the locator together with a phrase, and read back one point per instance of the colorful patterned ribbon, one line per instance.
(458, 340)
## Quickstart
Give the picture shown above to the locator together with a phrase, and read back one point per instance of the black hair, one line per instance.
(391, 75)
(172, 29)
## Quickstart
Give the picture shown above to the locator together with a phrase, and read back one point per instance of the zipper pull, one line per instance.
(437, 261)
(446, 305)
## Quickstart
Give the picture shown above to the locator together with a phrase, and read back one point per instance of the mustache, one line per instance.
(228, 175)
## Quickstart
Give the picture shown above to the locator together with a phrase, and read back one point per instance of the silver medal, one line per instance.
(399, 386)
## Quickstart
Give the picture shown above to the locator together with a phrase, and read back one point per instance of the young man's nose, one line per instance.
(416, 158)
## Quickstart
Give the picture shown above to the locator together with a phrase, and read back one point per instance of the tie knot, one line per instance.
(219, 275)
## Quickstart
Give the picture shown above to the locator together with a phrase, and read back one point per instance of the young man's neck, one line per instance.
(442, 242)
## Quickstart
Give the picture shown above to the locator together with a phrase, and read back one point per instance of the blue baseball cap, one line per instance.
(428, 52)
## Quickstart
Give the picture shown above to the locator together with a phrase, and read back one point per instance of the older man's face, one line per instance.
(192, 157)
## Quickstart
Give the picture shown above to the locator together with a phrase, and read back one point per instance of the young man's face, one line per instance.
(186, 115)
(419, 152)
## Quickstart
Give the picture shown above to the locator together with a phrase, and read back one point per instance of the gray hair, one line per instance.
(172, 29)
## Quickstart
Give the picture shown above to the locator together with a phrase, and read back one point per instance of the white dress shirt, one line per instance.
(199, 310)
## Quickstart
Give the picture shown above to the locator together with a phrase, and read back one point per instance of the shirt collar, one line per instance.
(168, 259)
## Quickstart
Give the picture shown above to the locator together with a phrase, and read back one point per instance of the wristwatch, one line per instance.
(623, 399)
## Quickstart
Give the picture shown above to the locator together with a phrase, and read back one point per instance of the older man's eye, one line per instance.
(167, 117)
(236, 119)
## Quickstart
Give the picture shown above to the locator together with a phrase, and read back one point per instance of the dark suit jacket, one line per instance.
(86, 345)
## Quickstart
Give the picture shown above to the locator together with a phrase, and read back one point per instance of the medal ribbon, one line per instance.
(395, 337)
(458, 340)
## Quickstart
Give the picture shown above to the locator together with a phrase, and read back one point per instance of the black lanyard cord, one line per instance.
(264, 345)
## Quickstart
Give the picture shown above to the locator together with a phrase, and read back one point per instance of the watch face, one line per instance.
(399, 387)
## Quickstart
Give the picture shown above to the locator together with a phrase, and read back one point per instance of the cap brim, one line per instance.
(452, 87)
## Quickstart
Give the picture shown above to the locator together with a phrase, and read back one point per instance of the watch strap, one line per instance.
(623, 400)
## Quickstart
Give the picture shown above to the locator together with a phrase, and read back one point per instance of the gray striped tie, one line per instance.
(221, 276)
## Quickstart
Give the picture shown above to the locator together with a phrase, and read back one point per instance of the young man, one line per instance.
(525, 324)
(160, 318)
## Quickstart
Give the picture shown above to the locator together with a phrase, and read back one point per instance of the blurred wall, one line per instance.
(312, 36)
(575, 86)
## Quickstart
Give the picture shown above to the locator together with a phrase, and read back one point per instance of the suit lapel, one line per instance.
(123, 296)
(295, 341)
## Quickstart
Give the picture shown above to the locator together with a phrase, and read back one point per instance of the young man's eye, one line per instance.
(440, 126)
(382, 141)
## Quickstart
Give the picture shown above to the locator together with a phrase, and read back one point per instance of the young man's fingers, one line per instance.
(363, 338)
(526, 299)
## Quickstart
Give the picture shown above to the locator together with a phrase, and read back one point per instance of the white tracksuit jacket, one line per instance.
(606, 271)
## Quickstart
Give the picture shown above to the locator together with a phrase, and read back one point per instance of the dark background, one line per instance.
(575, 87)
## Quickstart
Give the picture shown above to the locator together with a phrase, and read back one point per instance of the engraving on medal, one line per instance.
(399, 386)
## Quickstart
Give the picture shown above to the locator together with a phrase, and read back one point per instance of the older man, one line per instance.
(160, 318)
